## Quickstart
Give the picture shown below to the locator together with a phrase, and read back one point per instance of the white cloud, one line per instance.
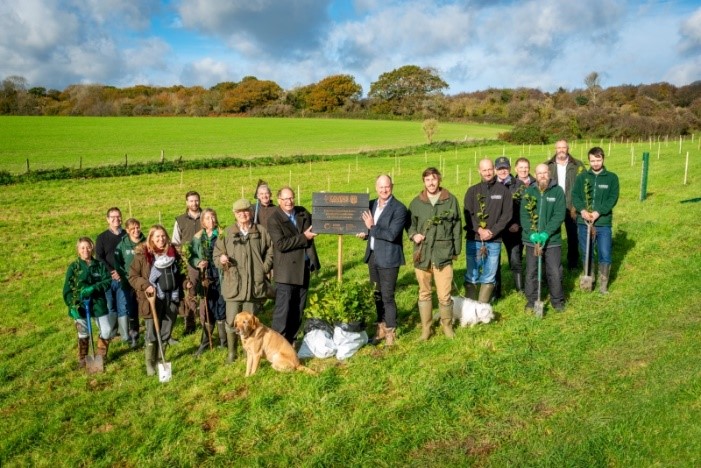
(690, 31)
(206, 72)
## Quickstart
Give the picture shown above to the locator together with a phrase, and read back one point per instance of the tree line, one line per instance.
(408, 92)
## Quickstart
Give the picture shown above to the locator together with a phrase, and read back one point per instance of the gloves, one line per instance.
(74, 314)
(539, 237)
(86, 292)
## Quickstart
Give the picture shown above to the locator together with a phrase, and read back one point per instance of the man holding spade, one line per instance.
(594, 195)
(543, 210)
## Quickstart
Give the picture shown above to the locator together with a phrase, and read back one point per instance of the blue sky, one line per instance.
(473, 44)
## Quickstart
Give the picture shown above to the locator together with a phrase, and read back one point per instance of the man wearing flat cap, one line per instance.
(245, 256)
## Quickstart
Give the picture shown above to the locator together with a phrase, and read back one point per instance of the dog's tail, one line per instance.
(306, 370)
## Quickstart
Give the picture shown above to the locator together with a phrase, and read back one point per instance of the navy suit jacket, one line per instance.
(388, 232)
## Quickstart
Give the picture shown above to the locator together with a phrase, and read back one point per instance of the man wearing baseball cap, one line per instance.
(511, 236)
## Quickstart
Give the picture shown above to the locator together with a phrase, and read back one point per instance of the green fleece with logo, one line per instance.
(551, 210)
(603, 192)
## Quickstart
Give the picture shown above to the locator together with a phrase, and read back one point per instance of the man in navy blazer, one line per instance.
(384, 254)
(294, 258)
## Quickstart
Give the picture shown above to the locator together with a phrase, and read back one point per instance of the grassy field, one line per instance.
(50, 142)
(613, 381)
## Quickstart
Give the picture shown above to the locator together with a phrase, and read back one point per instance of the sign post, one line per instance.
(339, 213)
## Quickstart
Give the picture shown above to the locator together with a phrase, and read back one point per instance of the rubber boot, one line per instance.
(389, 336)
(83, 344)
(190, 324)
(123, 324)
(204, 341)
(221, 328)
(380, 334)
(486, 293)
(604, 270)
(426, 314)
(471, 291)
(446, 311)
(102, 347)
(518, 282)
(134, 339)
(231, 342)
(150, 358)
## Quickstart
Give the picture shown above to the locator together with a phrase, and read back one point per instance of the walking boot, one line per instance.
(486, 292)
(389, 336)
(232, 345)
(604, 270)
(204, 341)
(426, 314)
(102, 347)
(471, 291)
(221, 329)
(123, 323)
(380, 334)
(518, 282)
(150, 358)
(83, 344)
(446, 311)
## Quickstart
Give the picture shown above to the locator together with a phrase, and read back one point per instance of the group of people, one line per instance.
(268, 252)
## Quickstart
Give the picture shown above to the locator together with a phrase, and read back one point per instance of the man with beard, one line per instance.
(595, 209)
(564, 169)
(542, 212)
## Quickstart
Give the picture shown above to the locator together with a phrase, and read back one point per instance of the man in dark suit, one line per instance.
(294, 258)
(384, 254)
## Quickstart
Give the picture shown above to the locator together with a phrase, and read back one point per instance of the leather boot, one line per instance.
(518, 282)
(83, 344)
(123, 323)
(380, 334)
(150, 358)
(604, 270)
(232, 340)
(486, 292)
(204, 341)
(446, 312)
(471, 291)
(190, 324)
(390, 336)
(221, 329)
(102, 347)
(426, 314)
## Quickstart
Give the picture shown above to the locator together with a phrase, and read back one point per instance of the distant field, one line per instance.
(51, 142)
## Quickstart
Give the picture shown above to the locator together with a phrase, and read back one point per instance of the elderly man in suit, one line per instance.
(384, 254)
(294, 258)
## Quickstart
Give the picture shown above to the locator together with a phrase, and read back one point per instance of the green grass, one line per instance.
(50, 142)
(613, 381)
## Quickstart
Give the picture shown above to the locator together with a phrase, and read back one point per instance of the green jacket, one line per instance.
(123, 256)
(603, 191)
(551, 211)
(80, 275)
(441, 224)
(201, 248)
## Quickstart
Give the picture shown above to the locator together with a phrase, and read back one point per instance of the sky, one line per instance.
(472, 44)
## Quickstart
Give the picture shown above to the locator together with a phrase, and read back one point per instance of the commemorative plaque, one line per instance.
(339, 213)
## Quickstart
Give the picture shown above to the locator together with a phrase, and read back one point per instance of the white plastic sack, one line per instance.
(317, 343)
(347, 342)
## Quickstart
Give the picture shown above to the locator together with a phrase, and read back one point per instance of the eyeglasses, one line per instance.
(287, 199)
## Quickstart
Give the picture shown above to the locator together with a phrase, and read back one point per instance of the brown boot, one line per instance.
(389, 336)
(102, 347)
(446, 311)
(82, 351)
(426, 314)
(380, 334)
(486, 293)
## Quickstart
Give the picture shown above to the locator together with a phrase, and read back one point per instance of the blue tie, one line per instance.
(293, 220)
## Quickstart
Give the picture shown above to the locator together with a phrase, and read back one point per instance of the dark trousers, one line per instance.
(290, 300)
(514, 251)
(572, 242)
(215, 305)
(551, 271)
(167, 312)
(385, 282)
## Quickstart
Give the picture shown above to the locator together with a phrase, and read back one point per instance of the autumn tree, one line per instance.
(403, 90)
(250, 93)
(333, 92)
(430, 127)
(593, 83)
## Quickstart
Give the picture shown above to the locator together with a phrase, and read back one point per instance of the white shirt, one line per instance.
(378, 211)
(562, 176)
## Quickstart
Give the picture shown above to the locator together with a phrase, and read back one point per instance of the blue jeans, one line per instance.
(482, 270)
(602, 241)
(116, 300)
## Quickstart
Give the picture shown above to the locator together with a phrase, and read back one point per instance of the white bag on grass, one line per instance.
(317, 343)
(348, 342)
